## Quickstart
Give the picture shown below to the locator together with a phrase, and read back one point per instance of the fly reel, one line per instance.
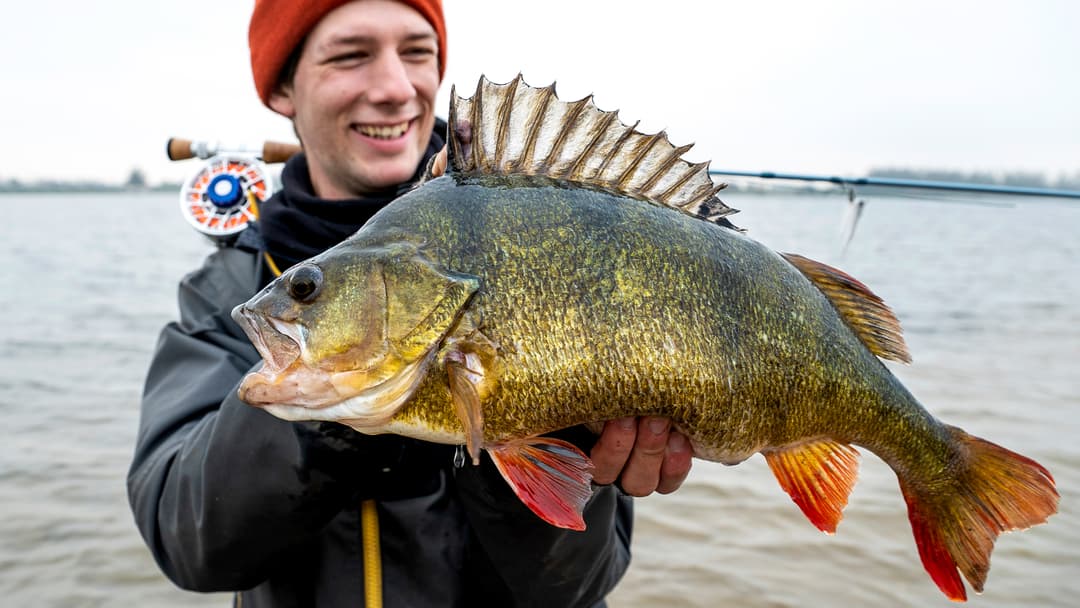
(223, 196)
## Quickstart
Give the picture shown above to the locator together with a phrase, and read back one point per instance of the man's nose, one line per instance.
(391, 82)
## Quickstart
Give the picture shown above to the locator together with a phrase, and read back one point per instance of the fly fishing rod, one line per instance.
(850, 182)
(223, 195)
(855, 206)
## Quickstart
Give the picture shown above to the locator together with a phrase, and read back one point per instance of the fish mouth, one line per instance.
(368, 408)
(289, 388)
(283, 376)
(277, 342)
(384, 131)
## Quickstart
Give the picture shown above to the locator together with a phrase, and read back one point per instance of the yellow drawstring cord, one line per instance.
(270, 262)
(369, 514)
(369, 526)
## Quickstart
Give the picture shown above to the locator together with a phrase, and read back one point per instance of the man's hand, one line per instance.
(643, 454)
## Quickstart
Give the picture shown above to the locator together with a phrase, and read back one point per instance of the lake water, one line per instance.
(989, 296)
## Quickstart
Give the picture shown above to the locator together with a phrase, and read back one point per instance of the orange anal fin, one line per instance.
(955, 523)
(551, 476)
(463, 393)
(818, 476)
(863, 311)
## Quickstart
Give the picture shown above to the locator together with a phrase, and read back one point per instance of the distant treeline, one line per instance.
(136, 181)
(16, 186)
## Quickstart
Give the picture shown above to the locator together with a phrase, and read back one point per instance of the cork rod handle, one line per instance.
(179, 149)
(278, 152)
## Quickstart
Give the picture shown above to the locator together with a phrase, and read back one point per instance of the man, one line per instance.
(231, 498)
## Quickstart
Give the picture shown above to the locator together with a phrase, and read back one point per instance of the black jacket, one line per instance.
(230, 498)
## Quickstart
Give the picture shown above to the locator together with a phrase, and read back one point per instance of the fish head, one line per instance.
(349, 335)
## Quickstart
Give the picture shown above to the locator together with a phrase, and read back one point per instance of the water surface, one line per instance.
(987, 295)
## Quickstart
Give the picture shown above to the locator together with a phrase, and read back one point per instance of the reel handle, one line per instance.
(183, 149)
(178, 149)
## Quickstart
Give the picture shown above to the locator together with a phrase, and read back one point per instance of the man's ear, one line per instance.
(281, 101)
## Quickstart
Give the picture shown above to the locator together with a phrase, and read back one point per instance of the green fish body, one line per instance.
(569, 270)
(599, 308)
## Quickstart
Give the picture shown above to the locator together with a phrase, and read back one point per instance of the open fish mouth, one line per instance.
(284, 378)
(291, 389)
(371, 407)
(278, 342)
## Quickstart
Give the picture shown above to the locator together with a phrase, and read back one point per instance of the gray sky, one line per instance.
(91, 90)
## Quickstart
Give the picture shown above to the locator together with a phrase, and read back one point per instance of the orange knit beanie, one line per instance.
(277, 26)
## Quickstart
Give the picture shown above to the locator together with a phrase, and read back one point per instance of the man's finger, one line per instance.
(612, 449)
(438, 167)
(642, 472)
(677, 461)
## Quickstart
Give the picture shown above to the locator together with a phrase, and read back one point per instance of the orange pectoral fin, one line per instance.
(466, 404)
(819, 477)
(551, 476)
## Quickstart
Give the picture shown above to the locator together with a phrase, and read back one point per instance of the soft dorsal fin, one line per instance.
(867, 315)
(514, 128)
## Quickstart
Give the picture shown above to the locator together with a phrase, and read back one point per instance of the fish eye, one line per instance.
(304, 283)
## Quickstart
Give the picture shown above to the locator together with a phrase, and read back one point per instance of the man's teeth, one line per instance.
(384, 131)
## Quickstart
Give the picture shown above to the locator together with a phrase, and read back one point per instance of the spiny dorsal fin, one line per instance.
(872, 321)
(514, 128)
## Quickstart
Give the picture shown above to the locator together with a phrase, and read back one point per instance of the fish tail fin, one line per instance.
(956, 522)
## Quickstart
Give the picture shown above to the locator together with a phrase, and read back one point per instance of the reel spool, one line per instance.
(222, 197)
(215, 200)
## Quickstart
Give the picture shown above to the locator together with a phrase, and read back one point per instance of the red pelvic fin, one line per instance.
(955, 525)
(818, 476)
(551, 476)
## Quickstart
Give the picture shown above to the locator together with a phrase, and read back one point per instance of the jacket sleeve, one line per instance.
(540, 564)
(221, 490)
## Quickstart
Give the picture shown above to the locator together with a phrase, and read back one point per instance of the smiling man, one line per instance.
(230, 498)
(362, 96)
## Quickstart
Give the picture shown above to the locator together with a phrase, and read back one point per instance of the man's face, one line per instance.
(362, 98)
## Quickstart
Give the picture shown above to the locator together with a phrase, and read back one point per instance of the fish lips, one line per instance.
(279, 349)
(290, 389)
(284, 383)
(276, 379)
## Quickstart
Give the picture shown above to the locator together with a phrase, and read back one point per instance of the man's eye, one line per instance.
(350, 56)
